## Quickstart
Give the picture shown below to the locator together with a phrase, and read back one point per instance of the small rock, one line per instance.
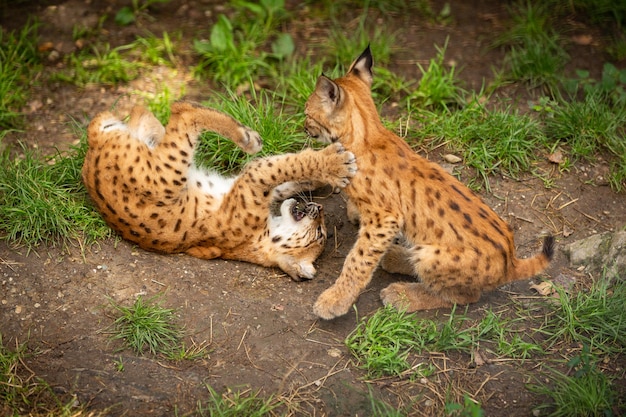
(453, 159)
(334, 353)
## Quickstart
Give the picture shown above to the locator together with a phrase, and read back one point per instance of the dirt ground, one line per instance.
(257, 323)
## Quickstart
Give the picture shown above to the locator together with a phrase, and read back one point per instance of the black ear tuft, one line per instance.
(362, 66)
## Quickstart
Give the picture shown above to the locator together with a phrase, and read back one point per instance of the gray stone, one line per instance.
(600, 253)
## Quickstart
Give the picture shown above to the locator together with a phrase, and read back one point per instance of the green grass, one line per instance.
(584, 391)
(42, 200)
(438, 88)
(382, 343)
(262, 112)
(146, 327)
(236, 51)
(237, 403)
(157, 51)
(535, 54)
(22, 393)
(490, 141)
(343, 47)
(596, 318)
(19, 60)
(138, 9)
(99, 65)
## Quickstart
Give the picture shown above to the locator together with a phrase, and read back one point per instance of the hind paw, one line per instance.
(251, 142)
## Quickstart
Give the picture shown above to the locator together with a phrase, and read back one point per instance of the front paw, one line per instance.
(251, 142)
(342, 165)
(331, 303)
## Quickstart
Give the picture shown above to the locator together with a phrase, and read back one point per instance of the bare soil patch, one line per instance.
(257, 322)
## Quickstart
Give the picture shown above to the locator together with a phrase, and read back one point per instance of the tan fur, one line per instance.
(449, 238)
(142, 179)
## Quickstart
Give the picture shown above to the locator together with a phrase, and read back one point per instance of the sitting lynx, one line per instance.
(142, 179)
(450, 239)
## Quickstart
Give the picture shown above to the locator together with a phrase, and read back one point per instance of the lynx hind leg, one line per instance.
(412, 296)
(193, 119)
(397, 260)
(143, 125)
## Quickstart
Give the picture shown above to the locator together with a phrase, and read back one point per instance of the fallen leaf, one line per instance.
(582, 39)
(479, 359)
(45, 46)
(567, 231)
(543, 288)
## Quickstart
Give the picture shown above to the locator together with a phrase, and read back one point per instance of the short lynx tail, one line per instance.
(527, 268)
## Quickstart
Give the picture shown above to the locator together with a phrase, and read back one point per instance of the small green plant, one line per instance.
(469, 408)
(585, 392)
(129, 14)
(156, 51)
(146, 326)
(438, 88)
(192, 352)
(14, 389)
(382, 343)
(380, 408)
(234, 54)
(19, 59)
(237, 403)
(160, 101)
(611, 88)
(119, 364)
(453, 335)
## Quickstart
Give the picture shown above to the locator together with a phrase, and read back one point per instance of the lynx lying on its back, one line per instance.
(455, 244)
(142, 179)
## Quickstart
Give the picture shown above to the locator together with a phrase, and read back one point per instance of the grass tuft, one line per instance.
(583, 392)
(382, 343)
(438, 88)
(146, 326)
(19, 59)
(237, 403)
(596, 318)
(42, 200)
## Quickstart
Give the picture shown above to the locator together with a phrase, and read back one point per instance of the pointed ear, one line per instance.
(362, 66)
(328, 91)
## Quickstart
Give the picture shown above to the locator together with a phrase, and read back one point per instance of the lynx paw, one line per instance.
(341, 165)
(331, 304)
(251, 142)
